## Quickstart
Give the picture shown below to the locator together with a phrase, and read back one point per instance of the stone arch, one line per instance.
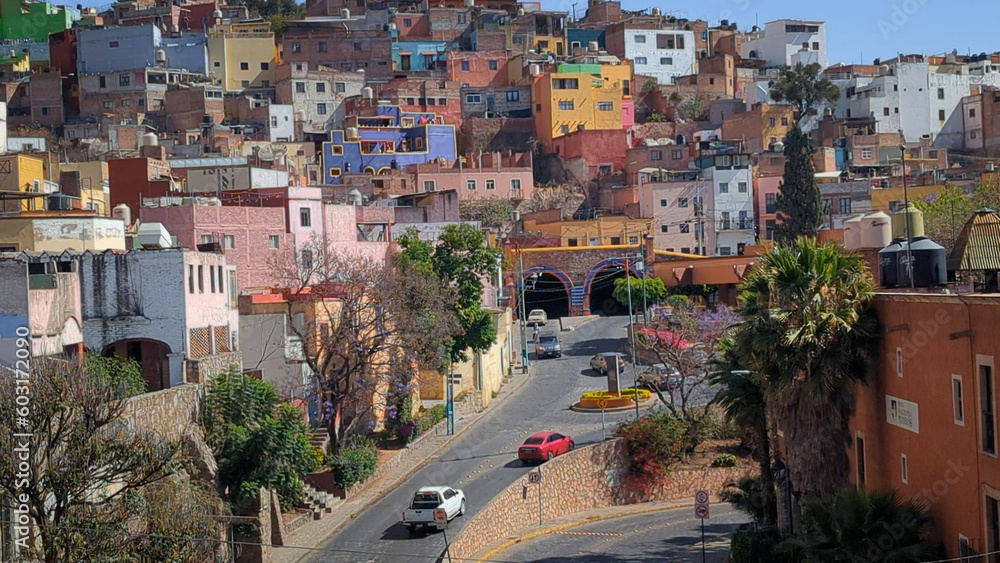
(551, 291)
(588, 284)
(150, 354)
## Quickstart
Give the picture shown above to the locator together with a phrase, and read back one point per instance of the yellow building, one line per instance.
(21, 176)
(242, 55)
(608, 230)
(538, 32)
(93, 189)
(889, 199)
(55, 232)
(582, 97)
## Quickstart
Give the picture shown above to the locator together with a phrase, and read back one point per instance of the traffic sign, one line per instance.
(534, 478)
(701, 504)
(701, 511)
(441, 518)
(701, 496)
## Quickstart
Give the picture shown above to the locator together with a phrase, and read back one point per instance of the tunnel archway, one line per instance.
(600, 286)
(546, 289)
(151, 355)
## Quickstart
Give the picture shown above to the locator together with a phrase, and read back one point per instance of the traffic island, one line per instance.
(607, 401)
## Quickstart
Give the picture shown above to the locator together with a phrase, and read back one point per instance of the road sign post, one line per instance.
(535, 478)
(701, 512)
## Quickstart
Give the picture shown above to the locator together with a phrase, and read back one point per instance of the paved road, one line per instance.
(483, 461)
(669, 536)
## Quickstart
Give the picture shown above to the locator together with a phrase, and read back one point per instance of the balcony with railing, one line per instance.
(736, 225)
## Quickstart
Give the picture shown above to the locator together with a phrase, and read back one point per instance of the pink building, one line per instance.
(678, 210)
(481, 176)
(357, 232)
(766, 192)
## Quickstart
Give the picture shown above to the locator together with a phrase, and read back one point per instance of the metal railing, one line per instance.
(736, 224)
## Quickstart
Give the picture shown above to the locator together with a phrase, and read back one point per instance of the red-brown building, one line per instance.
(592, 153)
(338, 46)
(132, 179)
(188, 104)
(478, 68)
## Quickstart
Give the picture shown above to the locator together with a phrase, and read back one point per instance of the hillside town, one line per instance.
(290, 282)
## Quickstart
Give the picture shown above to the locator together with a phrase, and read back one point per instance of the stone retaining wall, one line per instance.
(581, 480)
(169, 412)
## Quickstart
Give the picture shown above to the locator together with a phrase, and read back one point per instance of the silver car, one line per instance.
(660, 376)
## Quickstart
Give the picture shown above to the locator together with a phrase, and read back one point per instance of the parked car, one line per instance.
(426, 500)
(599, 363)
(543, 446)
(659, 376)
(538, 317)
(548, 346)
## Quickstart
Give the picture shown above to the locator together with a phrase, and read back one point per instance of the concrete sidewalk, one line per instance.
(311, 535)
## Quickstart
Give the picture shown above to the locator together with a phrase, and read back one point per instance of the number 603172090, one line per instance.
(23, 353)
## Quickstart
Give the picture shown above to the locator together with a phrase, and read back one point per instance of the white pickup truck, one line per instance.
(425, 501)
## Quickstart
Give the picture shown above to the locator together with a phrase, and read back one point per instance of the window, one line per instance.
(126, 103)
(957, 404)
(264, 66)
(473, 98)
(669, 61)
(616, 240)
(465, 66)
(461, 17)
(207, 239)
(571, 242)
(228, 242)
(109, 105)
(866, 153)
(307, 259)
(685, 250)
(244, 66)
(655, 155)
(321, 109)
(904, 474)
(124, 79)
(112, 44)
(859, 444)
(633, 240)
(335, 172)
(725, 251)
(885, 111)
(771, 122)
(669, 41)
(300, 87)
(827, 205)
(605, 106)
(769, 227)
(357, 46)
(676, 155)
(845, 205)
(211, 279)
(640, 38)
(565, 130)
(941, 115)
(595, 241)
(770, 203)
(565, 83)
(296, 47)
(640, 60)
(972, 112)
(274, 241)
(142, 102)
(663, 203)
(245, 84)
(305, 217)
(494, 65)
(201, 278)
(664, 228)
(339, 87)
(940, 93)
(513, 95)
(685, 228)
(992, 525)
(682, 202)
(566, 106)
(987, 406)
(407, 22)
(784, 122)
(723, 187)
(190, 278)
(515, 184)
(491, 184)
(470, 185)
(102, 82)
(742, 187)
(321, 46)
(320, 87)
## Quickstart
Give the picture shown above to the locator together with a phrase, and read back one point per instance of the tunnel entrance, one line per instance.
(546, 292)
(601, 289)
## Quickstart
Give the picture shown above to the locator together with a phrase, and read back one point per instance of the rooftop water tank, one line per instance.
(876, 231)
(593, 46)
(888, 264)
(909, 214)
(345, 14)
(930, 263)
(154, 235)
(852, 233)
(161, 57)
(367, 93)
(150, 140)
(354, 197)
(470, 3)
(217, 14)
(352, 133)
(123, 212)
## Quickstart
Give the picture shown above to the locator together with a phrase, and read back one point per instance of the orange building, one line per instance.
(925, 425)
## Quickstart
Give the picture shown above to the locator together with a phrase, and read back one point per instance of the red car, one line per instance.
(542, 446)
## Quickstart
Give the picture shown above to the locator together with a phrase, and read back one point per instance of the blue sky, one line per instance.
(855, 28)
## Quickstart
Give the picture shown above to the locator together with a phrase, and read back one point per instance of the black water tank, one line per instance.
(930, 263)
(888, 264)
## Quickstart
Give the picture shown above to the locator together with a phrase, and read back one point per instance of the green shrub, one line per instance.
(652, 445)
(724, 460)
(756, 544)
(427, 418)
(354, 465)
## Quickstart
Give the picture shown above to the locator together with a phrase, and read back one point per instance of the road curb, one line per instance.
(423, 463)
(588, 410)
(666, 505)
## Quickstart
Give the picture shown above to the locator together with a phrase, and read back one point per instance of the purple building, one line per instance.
(391, 138)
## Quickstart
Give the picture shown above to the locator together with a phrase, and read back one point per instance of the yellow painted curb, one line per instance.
(597, 518)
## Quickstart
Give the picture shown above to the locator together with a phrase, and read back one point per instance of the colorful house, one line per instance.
(390, 139)
(578, 97)
(418, 55)
(23, 178)
(34, 20)
(242, 55)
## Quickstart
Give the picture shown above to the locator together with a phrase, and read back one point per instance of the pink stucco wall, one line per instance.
(208, 308)
(765, 185)
(312, 198)
(452, 179)
(341, 227)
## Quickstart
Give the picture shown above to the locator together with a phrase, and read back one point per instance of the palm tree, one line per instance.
(866, 526)
(807, 332)
(742, 399)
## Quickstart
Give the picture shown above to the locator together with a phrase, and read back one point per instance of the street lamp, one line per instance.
(631, 331)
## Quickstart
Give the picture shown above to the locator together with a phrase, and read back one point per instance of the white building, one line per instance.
(280, 123)
(921, 99)
(676, 207)
(317, 95)
(787, 43)
(663, 54)
(731, 213)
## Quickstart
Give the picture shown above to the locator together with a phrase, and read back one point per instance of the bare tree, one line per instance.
(365, 327)
(687, 342)
(73, 470)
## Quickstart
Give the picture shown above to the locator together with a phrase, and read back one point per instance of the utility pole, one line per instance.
(631, 331)
(524, 318)
(906, 211)
(645, 306)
